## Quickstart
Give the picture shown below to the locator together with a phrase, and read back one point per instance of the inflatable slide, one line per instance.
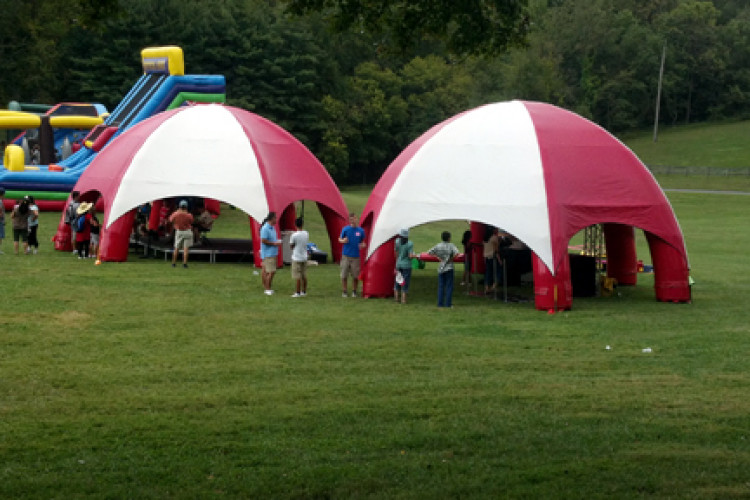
(163, 86)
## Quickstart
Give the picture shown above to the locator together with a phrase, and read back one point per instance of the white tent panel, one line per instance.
(202, 151)
(484, 166)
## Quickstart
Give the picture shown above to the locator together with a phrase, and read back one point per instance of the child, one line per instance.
(445, 251)
(404, 253)
(298, 243)
(95, 229)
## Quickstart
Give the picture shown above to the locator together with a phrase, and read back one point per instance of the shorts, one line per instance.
(183, 239)
(94, 239)
(299, 270)
(269, 264)
(20, 234)
(349, 265)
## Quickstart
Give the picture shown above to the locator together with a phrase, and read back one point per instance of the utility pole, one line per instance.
(658, 91)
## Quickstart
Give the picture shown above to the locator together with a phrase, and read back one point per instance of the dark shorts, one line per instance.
(20, 234)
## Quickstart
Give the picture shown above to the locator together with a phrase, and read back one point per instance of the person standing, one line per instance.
(95, 230)
(468, 250)
(182, 221)
(82, 224)
(20, 220)
(445, 251)
(404, 253)
(269, 251)
(490, 258)
(353, 239)
(33, 225)
(2, 217)
(298, 243)
(70, 216)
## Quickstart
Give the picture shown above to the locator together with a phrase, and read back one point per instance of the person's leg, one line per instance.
(304, 285)
(345, 271)
(270, 280)
(441, 286)
(406, 274)
(449, 278)
(185, 253)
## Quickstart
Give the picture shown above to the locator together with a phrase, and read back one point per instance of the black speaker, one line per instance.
(583, 275)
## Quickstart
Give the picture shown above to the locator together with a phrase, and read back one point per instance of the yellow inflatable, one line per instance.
(13, 159)
(21, 120)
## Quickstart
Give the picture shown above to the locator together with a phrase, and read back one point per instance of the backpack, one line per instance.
(80, 223)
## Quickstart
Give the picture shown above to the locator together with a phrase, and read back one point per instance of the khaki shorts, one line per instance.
(299, 270)
(349, 265)
(269, 264)
(183, 239)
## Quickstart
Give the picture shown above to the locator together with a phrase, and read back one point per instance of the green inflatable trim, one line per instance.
(197, 97)
(38, 195)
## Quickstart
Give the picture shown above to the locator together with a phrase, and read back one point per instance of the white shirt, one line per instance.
(299, 239)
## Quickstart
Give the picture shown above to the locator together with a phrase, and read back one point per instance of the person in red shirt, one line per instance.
(182, 220)
(83, 229)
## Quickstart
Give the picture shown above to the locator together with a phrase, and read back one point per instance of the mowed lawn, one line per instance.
(137, 380)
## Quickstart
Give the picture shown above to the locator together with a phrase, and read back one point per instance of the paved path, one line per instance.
(707, 191)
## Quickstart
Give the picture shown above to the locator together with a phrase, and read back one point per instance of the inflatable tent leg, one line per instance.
(622, 260)
(377, 274)
(154, 215)
(552, 292)
(115, 240)
(63, 236)
(334, 224)
(671, 273)
(477, 238)
(255, 232)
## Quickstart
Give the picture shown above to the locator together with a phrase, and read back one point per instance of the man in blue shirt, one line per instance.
(353, 239)
(269, 251)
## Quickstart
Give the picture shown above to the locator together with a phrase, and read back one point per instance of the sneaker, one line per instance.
(344, 295)
(303, 294)
(354, 294)
(185, 266)
(295, 295)
(174, 265)
(268, 292)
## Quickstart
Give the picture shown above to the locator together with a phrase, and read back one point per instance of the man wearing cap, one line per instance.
(404, 253)
(182, 220)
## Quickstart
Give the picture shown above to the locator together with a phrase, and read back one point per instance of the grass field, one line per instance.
(136, 380)
(698, 145)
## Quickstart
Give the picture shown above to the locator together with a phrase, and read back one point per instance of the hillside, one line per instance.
(700, 145)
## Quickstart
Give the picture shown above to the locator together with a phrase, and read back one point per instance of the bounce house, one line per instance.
(542, 174)
(163, 86)
(210, 151)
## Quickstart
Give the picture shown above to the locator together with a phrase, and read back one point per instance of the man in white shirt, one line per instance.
(298, 243)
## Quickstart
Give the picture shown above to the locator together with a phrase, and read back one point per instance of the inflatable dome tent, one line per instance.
(543, 174)
(211, 151)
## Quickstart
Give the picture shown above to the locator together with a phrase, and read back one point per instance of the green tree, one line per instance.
(479, 26)
(695, 60)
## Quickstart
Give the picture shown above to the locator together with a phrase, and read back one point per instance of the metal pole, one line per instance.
(658, 91)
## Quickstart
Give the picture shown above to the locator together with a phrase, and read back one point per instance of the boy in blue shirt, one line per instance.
(353, 239)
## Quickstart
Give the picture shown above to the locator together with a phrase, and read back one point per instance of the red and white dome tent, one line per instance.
(541, 173)
(211, 151)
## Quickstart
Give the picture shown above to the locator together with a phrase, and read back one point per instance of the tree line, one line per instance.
(357, 83)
